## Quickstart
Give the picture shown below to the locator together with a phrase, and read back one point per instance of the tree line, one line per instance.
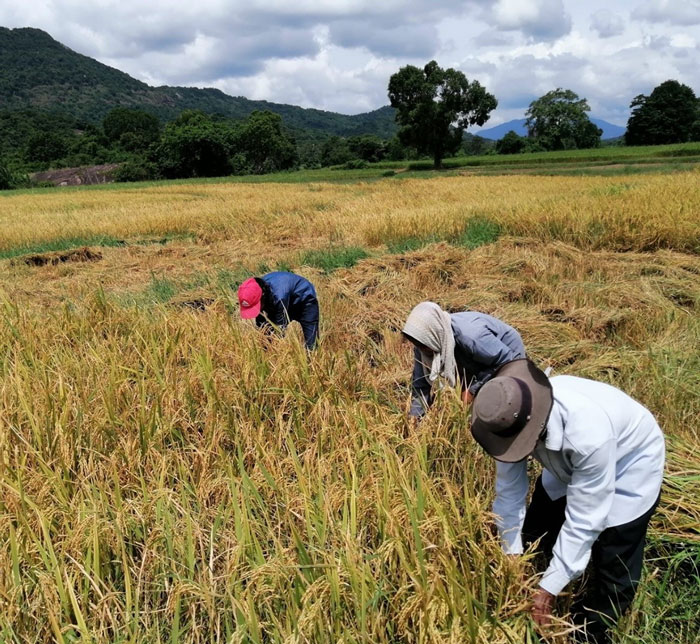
(434, 107)
(195, 144)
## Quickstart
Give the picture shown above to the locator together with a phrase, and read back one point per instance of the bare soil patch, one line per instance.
(197, 304)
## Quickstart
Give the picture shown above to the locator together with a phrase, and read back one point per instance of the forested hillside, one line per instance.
(38, 72)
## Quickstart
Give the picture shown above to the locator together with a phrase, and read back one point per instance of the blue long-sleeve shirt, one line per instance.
(290, 297)
(483, 344)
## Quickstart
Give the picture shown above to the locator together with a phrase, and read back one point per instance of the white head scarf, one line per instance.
(430, 325)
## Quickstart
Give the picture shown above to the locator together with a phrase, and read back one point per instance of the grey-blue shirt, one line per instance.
(483, 344)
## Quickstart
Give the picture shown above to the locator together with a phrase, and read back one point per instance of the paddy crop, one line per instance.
(167, 474)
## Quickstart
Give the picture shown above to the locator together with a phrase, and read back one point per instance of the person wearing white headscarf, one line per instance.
(468, 346)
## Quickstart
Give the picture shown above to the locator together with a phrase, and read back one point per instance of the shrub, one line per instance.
(136, 170)
(5, 178)
(511, 143)
(240, 165)
(356, 164)
(10, 180)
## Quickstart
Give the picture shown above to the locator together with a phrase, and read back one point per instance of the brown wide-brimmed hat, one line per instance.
(510, 412)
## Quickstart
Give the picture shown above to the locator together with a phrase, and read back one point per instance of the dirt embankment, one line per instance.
(87, 175)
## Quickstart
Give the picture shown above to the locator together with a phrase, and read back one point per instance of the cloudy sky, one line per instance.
(339, 54)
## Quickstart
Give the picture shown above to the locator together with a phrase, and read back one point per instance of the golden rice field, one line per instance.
(169, 475)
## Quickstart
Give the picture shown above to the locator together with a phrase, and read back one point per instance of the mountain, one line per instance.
(38, 72)
(610, 130)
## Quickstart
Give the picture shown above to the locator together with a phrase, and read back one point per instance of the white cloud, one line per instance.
(493, 38)
(607, 24)
(400, 40)
(537, 19)
(339, 54)
(674, 12)
(683, 41)
(318, 83)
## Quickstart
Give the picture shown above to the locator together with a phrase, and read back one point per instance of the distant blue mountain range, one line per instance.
(610, 131)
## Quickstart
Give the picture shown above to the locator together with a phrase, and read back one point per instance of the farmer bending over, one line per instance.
(470, 346)
(278, 298)
(602, 455)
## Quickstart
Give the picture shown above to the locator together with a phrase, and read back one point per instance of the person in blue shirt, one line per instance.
(278, 298)
(467, 346)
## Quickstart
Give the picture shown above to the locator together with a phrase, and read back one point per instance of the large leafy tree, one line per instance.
(10, 179)
(511, 143)
(670, 114)
(265, 144)
(335, 150)
(194, 146)
(6, 178)
(559, 121)
(45, 147)
(434, 106)
(367, 147)
(133, 129)
(475, 145)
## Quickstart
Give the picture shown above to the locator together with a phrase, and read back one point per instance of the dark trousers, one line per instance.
(614, 570)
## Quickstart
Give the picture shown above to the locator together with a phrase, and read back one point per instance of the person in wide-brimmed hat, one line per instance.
(276, 299)
(602, 455)
(468, 347)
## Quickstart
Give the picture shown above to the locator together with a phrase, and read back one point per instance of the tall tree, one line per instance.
(367, 147)
(559, 121)
(335, 150)
(475, 145)
(193, 146)
(266, 145)
(670, 114)
(511, 143)
(434, 107)
(133, 129)
(6, 178)
(45, 147)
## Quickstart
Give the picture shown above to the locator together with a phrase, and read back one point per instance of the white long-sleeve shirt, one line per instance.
(605, 452)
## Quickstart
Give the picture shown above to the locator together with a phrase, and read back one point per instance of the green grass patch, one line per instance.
(612, 171)
(160, 290)
(408, 244)
(479, 231)
(334, 257)
(198, 279)
(281, 265)
(227, 279)
(668, 596)
(685, 152)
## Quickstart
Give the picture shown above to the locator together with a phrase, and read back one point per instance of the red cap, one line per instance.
(250, 299)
